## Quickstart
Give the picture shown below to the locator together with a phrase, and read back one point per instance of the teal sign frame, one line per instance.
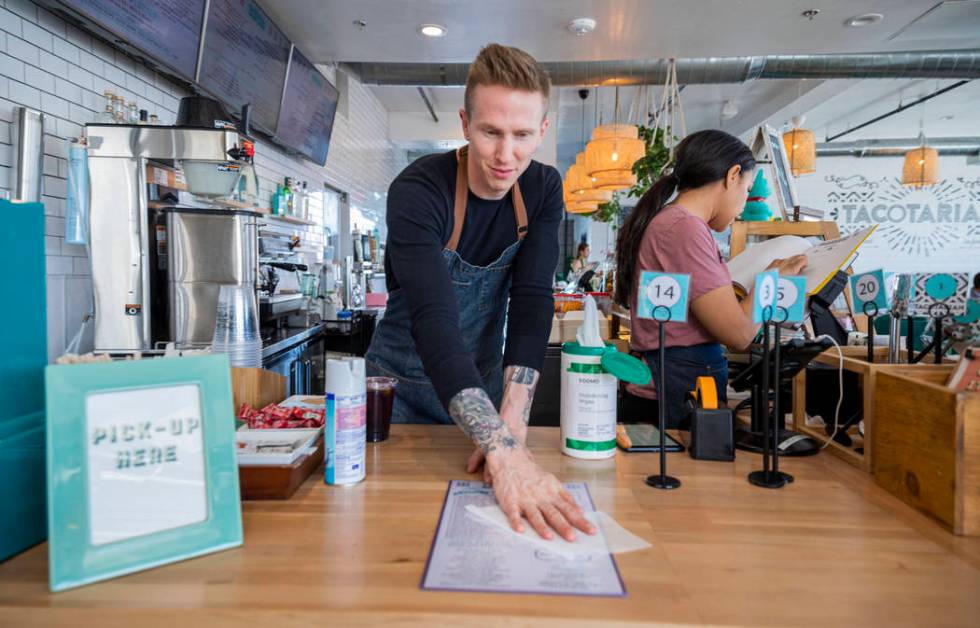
(663, 296)
(79, 458)
(868, 293)
(790, 299)
(764, 297)
(940, 295)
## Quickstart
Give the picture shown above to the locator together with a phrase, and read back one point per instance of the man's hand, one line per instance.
(524, 488)
(521, 486)
(477, 458)
(515, 410)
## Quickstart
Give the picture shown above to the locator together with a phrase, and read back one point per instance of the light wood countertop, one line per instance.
(830, 549)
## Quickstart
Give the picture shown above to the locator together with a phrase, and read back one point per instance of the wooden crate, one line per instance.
(855, 361)
(256, 387)
(279, 481)
(927, 446)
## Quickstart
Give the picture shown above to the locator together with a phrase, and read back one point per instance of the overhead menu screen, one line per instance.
(244, 61)
(308, 108)
(168, 30)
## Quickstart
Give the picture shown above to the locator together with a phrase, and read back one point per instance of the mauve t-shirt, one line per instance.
(677, 241)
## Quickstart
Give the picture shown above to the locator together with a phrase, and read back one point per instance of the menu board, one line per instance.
(308, 109)
(244, 62)
(168, 30)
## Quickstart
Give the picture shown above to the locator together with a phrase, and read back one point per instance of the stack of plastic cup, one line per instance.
(236, 327)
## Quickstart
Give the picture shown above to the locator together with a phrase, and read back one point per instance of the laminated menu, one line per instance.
(470, 554)
(823, 259)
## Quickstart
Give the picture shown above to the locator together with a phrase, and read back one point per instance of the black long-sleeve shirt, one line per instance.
(420, 222)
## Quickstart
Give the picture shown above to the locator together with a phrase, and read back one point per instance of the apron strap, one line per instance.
(459, 205)
(520, 212)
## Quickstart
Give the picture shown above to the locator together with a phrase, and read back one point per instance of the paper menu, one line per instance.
(468, 555)
(824, 259)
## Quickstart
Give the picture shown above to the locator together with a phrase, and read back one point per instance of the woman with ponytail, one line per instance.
(711, 177)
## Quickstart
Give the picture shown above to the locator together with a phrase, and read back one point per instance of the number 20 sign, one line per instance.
(868, 291)
(663, 296)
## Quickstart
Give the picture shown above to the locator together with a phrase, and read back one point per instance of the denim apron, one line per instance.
(481, 300)
(684, 365)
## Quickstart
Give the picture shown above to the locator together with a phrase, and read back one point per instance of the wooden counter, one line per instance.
(830, 549)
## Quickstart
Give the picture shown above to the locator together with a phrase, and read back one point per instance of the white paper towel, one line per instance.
(588, 332)
(611, 538)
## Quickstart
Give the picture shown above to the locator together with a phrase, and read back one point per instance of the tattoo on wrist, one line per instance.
(523, 376)
(473, 412)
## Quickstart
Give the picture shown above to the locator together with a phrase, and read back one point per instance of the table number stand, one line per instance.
(662, 480)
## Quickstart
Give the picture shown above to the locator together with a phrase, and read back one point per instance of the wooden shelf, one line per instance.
(165, 176)
(741, 229)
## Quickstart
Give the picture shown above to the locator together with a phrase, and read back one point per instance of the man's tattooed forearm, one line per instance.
(525, 376)
(474, 413)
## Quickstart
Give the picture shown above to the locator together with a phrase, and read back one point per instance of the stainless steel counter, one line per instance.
(288, 337)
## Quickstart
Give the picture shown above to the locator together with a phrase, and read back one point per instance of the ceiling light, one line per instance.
(729, 110)
(582, 25)
(921, 167)
(432, 30)
(801, 150)
(864, 20)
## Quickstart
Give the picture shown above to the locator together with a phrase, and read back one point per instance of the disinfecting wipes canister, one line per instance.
(588, 403)
(345, 421)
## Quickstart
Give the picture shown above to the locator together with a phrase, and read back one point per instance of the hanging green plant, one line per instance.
(608, 211)
(647, 170)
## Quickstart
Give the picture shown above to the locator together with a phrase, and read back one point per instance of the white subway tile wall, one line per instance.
(49, 65)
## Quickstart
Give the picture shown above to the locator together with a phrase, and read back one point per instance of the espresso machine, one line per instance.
(157, 266)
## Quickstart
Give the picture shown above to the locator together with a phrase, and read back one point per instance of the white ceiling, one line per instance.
(404, 99)
(640, 29)
(947, 115)
(627, 29)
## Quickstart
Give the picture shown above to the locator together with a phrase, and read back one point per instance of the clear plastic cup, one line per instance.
(236, 326)
(380, 398)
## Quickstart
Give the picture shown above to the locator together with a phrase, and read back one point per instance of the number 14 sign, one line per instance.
(663, 296)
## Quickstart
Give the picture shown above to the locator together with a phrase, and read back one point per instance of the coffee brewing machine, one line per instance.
(158, 264)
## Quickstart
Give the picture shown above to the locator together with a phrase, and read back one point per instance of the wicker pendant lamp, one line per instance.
(583, 195)
(801, 149)
(580, 194)
(576, 180)
(921, 167)
(610, 156)
(581, 207)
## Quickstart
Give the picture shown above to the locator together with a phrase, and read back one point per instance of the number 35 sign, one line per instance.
(663, 296)
(778, 299)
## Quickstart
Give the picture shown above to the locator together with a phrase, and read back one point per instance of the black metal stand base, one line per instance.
(770, 479)
(747, 440)
(665, 482)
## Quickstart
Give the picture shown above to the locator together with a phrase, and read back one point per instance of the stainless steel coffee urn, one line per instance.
(157, 267)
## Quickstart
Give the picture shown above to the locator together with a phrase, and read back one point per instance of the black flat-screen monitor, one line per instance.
(309, 104)
(169, 31)
(244, 61)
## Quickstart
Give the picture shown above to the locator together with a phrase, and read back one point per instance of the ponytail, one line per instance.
(631, 233)
(702, 158)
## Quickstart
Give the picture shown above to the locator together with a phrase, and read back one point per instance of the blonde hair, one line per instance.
(509, 67)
